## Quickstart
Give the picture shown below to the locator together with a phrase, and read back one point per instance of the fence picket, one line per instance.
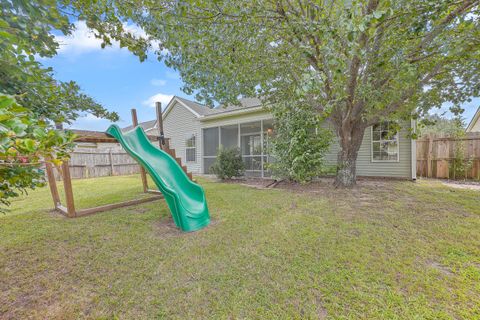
(92, 163)
(436, 156)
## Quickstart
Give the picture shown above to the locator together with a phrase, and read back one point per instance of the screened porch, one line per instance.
(251, 138)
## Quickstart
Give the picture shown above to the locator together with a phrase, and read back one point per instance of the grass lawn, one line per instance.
(387, 250)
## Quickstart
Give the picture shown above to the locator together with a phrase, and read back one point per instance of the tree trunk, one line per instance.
(350, 141)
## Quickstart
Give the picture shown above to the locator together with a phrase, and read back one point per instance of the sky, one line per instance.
(118, 80)
(114, 77)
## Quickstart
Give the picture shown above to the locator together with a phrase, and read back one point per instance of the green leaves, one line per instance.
(24, 142)
(299, 144)
(228, 164)
(231, 48)
(27, 31)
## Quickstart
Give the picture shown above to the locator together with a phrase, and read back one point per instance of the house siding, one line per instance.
(368, 168)
(177, 124)
(180, 122)
(475, 127)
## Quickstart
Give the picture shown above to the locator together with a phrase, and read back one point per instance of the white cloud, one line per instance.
(161, 97)
(135, 30)
(90, 117)
(82, 40)
(158, 82)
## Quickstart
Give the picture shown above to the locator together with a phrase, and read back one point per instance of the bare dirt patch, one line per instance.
(473, 185)
(251, 182)
(166, 228)
(440, 267)
(364, 194)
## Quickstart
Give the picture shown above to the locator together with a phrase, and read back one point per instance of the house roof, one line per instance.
(245, 103)
(200, 109)
(204, 112)
(475, 119)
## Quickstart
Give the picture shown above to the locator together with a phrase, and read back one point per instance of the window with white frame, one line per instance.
(384, 142)
(191, 148)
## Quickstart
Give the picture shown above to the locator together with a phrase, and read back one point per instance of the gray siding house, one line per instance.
(196, 132)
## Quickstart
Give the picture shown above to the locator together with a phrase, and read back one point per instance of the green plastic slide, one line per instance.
(185, 198)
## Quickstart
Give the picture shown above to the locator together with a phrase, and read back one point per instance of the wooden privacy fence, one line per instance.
(91, 163)
(449, 158)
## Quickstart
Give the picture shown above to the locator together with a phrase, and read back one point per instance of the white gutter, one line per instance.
(230, 113)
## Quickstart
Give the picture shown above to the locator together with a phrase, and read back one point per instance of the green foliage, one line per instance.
(24, 142)
(460, 165)
(410, 53)
(440, 126)
(228, 164)
(26, 29)
(299, 144)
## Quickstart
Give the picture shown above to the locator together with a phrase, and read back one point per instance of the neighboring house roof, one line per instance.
(147, 126)
(203, 112)
(97, 136)
(474, 125)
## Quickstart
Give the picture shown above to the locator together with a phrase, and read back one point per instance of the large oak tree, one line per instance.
(357, 62)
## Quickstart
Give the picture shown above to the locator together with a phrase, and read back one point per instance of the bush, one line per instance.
(299, 144)
(228, 164)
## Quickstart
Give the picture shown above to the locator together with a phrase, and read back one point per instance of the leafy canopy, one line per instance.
(26, 29)
(31, 100)
(357, 60)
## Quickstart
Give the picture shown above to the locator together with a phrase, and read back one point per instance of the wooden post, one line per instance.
(161, 141)
(67, 185)
(52, 184)
(143, 174)
(110, 158)
(429, 156)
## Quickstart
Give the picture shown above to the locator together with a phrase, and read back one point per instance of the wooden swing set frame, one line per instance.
(70, 211)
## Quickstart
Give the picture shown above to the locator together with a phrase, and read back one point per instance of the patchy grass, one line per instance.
(392, 250)
(87, 192)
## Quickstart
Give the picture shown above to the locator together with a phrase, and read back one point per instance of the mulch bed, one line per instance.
(319, 185)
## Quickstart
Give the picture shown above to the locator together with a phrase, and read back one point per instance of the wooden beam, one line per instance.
(67, 186)
(52, 184)
(112, 206)
(143, 174)
(161, 141)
